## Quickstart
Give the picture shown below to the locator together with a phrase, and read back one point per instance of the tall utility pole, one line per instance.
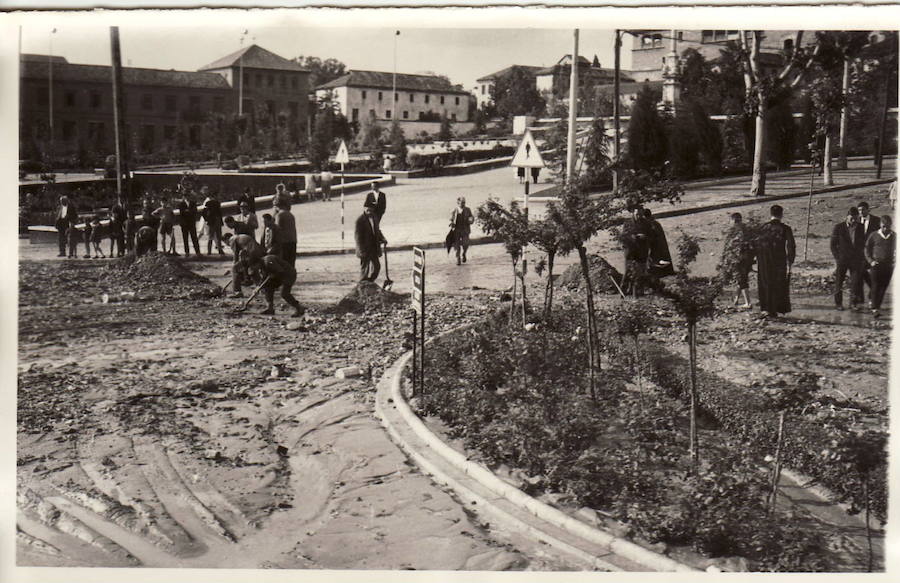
(119, 117)
(617, 50)
(241, 74)
(50, 101)
(573, 109)
(394, 98)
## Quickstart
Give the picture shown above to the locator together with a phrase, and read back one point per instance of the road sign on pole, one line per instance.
(527, 156)
(342, 156)
(418, 304)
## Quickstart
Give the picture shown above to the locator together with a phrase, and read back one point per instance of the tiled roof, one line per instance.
(130, 75)
(385, 81)
(254, 57)
(29, 57)
(504, 72)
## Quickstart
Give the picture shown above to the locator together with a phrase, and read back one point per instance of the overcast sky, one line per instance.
(462, 54)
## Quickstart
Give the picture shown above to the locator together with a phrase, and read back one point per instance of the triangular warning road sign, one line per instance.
(528, 155)
(342, 156)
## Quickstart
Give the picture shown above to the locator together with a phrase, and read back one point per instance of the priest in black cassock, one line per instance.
(775, 252)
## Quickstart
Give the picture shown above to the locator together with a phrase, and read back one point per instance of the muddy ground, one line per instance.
(159, 430)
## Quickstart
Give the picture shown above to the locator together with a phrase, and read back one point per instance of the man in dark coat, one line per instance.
(870, 224)
(368, 243)
(847, 248)
(66, 216)
(187, 220)
(636, 237)
(461, 220)
(117, 218)
(660, 257)
(881, 251)
(775, 252)
(212, 214)
(378, 199)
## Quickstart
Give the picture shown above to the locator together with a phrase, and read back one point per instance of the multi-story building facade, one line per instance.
(418, 98)
(555, 79)
(165, 110)
(650, 47)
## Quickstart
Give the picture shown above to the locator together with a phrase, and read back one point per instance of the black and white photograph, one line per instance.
(457, 291)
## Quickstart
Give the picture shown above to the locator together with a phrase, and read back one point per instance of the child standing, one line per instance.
(96, 238)
(88, 232)
(73, 236)
(166, 217)
(130, 231)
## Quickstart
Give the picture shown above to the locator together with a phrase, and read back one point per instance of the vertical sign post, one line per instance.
(527, 156)
(418, 305)
(342, 157)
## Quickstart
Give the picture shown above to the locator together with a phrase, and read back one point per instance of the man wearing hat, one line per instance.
(248, 217)
(368, 243)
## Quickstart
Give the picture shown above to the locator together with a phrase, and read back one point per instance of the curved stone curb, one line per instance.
(405, 421)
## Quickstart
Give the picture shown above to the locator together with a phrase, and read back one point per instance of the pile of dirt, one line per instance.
(367, 296)
(600, 271)
(156, 276)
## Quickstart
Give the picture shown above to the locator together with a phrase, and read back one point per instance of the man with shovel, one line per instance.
(251, 250)
(368, 243)
(276, 272)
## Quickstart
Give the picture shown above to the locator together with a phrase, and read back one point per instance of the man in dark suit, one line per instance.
(368, 243)
(847, 247)
(378, 199)
(66, 215)
(870, 224)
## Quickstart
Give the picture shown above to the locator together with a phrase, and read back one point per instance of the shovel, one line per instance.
(246, 303)
(388, 282)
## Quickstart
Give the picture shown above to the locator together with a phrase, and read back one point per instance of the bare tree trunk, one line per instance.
(592, 332)
(637, 368)
(842, 145)
(548, 294)
(512, 305)
(694, 451)
(826, 162)
(758, 185)
(868, 528)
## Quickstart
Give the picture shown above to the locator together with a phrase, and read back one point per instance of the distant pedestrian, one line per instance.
(166, 216)
(775, 253)
(880, 253)
(368, 243)
(130, 231)
(117, 217)
(271, 241)
(73, 237)
(520, 173)
(212, 214)
(86, 237)
(325, 179)
(187, 220)
(848, 249)
(66, 216)
(535, 172)
(461, 220)
(248, 198)
(737, 259)
(378, 200)
(287, 231)
(281, 194)
(312, 184)
(386, 163)
(97, 238)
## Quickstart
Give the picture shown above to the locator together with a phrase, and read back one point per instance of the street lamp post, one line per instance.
(50, 98)
(241, 75)
(394, 99)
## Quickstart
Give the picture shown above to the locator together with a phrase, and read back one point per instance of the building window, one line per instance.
(396, 97)
(482, 89)
(453, 116)
(412, 98)
(713, 36)
(457, 101)
(246, 79)
(195, 101)
(70, 98)
(788, 45)
(442, 100)
(363, 93)
(421, 115)
(427, 98)
(387, 114)
(372, 113)
(355, 116)
(657, 40)
(293, 109)
(380, 95)
(169, 132)
(147, 102)
(171, 102)
(405, 115)
(69, 130)
(294, 83)
(194, 136)
(218, 104)
(259, 80)
(270, 79)
(647, 41)
(147, 138)
(283, 81)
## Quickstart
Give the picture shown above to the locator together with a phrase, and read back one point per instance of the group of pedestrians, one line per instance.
(863, 247)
